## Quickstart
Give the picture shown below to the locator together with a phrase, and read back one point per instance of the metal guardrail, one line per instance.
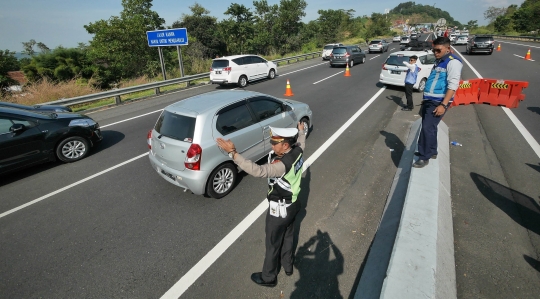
(517, 37)
(117, 93)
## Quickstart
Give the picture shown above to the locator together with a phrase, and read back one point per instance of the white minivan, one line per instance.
(241, 69)
(394, 71)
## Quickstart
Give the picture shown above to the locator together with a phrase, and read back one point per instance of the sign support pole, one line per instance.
(163, 72)
(180, 61)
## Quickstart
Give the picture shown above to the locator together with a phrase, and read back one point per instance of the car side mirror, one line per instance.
(17, 128)
(287, 107)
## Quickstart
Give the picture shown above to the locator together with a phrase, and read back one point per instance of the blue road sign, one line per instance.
(167, 37)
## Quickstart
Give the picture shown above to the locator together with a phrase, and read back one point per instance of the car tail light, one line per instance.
(331, 54)
(227, 69)
(380, 44)
(149, 139)
(211, 69)
(347, 55)
(193, 157)
(384, 67)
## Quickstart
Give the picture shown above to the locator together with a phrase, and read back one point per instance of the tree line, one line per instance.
(118, 49)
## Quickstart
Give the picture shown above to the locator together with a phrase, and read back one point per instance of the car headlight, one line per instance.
(83, 122)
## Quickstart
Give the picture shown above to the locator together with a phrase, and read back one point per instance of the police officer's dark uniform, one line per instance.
(284, 174)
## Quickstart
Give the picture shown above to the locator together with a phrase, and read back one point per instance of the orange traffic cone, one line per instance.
(499, 48)
(528, 56)
(288, 90)
(347, 72)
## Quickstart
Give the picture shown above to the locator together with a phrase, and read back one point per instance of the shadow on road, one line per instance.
(319, 263)
(396, 100)
(533, 262)
(520, 207)
(110, 138)
(535, 167)
(534, 109)
(395, 145)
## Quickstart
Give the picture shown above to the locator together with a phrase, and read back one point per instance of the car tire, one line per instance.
(331, 65)
(72, 149)
(351, 63)
(422, 85)
(363, 60)
(271, 74)
(305, 121)
(369, 52)
(242, 81)
(222, 180)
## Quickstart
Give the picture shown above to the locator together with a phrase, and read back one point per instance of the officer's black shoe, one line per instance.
(257, 278)
(418, 154)
(406, 109)
(420, 163)
(289, 273)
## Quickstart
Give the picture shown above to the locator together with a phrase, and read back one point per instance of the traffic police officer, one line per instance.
(439, 92)
(284, 172)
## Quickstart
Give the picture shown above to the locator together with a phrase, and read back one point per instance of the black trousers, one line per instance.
(279, 242)
(427, 142)
(408, 95)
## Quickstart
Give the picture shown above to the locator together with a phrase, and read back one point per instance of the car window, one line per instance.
(397, 60)
(422, 59)
(265, 108)
(374, 42)
(221, 63)
(482, 39)
(339, 51)
(328, 47)
(257, 59)
(23, 122)
(239, 61)
(5, 124)
(233, 118)
(175, 126)
(430, 59)
(247, 60)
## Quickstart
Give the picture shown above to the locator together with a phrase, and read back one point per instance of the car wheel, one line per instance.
(242, 81)
(369, 52)
(305, 122)
(72, 149)
(422, 85)
(221, 181)
(351, 63)
(331, 65)
(271, 74)
(363, 60)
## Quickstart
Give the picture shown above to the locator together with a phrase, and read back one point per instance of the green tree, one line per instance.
(527, 17)
(8, 62)
(119, 46)
(492, 13)
(379, 26)
(265, 27)
(60, 64)
(472, 24)
(238, 28)
(502, 24)
(29, 47)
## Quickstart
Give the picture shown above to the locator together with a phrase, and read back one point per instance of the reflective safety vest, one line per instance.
(288, 185)
(436, 84)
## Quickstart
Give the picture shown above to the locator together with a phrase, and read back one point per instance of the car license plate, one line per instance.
(170, 176)
(218, 72)
(395, 72)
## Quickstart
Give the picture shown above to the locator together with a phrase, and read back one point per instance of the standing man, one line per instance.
(410, 80)
(438, 94)
(284, 172)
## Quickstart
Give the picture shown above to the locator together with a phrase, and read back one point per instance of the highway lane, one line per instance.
(124, 231)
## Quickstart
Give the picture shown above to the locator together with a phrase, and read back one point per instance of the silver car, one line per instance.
(183, 147)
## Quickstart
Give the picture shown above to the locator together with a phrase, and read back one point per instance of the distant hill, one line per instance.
(418, 13)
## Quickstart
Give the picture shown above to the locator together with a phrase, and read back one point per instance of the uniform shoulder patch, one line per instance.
(451, 57)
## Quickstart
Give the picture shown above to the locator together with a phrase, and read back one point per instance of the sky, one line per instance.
(61, 22)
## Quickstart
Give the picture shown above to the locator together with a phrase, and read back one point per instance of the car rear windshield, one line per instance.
(329, 47)
(482, 39)
(216, 64)
(339, 51)
(397, 60)
(176, 126)
(375, 42)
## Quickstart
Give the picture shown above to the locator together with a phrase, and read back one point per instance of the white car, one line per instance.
(394, 71)
(327, 50)
(460, 40)
(452, 37)
(241, 69)
(396, 38)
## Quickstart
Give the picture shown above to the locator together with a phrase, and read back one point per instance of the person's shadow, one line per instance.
(395, 145)
(318, 268)
(534, 109)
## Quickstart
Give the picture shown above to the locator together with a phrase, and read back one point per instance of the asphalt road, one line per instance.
(127, 233)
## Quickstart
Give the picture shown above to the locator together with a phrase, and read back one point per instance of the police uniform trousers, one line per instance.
(279, 242)
(408, 94)
(427, 142)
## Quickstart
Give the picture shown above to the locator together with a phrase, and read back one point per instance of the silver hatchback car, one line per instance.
(183, 147)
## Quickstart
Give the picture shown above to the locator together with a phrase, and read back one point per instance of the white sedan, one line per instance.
(460, 40)
(396, 39)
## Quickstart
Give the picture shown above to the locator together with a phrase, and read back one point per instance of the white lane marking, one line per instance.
(521, 128)
(70, 186)
(304, 68)
(131, 118)
(328, 77)
(374, 57)
(530, 46)
(194, 273)
(392, 49)
(523, 57)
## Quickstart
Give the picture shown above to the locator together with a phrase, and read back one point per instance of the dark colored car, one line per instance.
(52, 108)
(30, 137)
(347, 55)
(480, 44)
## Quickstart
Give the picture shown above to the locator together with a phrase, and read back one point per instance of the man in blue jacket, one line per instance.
(440, 88)
(410, 80)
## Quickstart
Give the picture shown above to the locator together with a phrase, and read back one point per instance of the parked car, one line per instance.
(460, 40)
(327, 50)
(52, 108)
(394, 71)
(31, 137)
(396, 38)
(344, 55)
(183, 147)
(480, 44)
(241, 69)
(378, 45)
